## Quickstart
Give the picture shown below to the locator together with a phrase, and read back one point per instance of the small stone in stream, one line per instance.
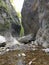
(23, 54)
(32, 42)
(19, 55)
(30, 63)
(7, 49)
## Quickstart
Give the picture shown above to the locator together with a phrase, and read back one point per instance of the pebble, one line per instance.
(19, 55)
(23, 54)
(30, 62)
(46, 50)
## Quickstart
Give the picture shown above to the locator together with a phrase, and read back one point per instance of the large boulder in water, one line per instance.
(30, 19)
(9, 20)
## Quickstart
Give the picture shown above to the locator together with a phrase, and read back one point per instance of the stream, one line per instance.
(26, 54)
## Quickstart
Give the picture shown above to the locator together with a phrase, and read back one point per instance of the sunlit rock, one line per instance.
(23, 54)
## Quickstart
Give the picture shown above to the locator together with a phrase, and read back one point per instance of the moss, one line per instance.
(22, 31)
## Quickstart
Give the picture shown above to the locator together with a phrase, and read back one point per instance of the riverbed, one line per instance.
(25, 55)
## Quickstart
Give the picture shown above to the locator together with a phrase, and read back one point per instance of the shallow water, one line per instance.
(25, 56)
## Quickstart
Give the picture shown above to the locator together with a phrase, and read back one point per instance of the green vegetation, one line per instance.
(6, 9)
(19, 16)
(22, 29)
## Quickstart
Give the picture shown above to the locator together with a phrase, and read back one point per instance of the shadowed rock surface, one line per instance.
(30, 19)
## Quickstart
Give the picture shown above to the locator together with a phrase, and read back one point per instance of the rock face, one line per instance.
(8, 18)
(30, 19)
(42, 37)
(2, 41)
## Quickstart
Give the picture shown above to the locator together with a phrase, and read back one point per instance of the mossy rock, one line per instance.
(8, 16)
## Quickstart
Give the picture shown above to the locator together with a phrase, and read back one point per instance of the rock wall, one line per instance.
(30, 19)
(35, 20)
(9, 20)
(42, 37)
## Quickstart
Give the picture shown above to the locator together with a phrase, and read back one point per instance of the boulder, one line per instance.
(42, 38)
(25, 39)
(11, 41)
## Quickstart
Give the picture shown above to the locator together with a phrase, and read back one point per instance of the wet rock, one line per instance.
(30, 19)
